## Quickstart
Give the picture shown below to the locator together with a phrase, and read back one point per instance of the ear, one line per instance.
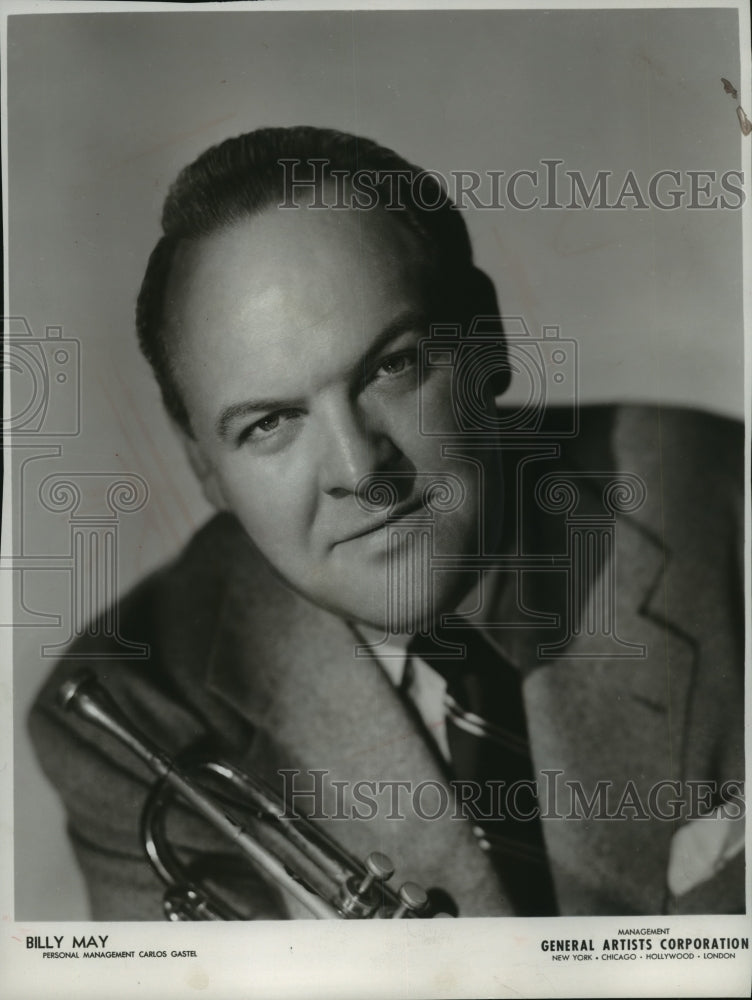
(203, 469)
(486, 322)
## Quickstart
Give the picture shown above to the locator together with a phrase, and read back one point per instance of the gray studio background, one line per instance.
(105, 108)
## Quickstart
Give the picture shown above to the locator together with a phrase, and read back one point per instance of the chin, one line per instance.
(408, 612)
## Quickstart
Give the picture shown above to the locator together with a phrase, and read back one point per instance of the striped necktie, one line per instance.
(488, 743)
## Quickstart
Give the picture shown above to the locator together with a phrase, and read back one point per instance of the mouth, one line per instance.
(400, 511)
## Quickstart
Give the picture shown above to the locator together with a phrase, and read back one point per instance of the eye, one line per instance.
(270, 423)
(396, 364)
(266, 427)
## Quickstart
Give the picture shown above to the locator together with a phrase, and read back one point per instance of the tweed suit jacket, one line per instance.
(240, 660)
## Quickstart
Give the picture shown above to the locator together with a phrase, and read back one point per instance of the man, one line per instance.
(502, 647)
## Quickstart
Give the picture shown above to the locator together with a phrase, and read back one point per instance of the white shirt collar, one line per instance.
(391, 653)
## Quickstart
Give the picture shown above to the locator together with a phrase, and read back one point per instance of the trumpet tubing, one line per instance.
(288, 850)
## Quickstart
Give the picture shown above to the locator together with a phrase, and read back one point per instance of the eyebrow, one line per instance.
(408, 320)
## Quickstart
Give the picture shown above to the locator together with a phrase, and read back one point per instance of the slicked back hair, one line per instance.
(242, 176)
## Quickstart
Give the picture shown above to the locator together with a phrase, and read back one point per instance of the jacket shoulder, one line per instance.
(672, 433)
(172, 617)
(690, 462)
(172, 614)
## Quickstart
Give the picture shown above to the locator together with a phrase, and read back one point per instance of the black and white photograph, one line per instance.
(376, 525)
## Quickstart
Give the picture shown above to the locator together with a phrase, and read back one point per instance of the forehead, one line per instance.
(283, 288)
(308, 252)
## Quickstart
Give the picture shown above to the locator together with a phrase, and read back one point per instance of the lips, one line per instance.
(401, 510)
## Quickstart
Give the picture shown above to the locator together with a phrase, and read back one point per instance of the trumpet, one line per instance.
(286, 848)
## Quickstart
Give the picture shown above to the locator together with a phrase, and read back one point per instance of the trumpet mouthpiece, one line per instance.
(70, 688)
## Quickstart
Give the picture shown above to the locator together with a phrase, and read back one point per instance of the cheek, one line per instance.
(425, 448)
(436, 404)
(274, 506)
(416, 422)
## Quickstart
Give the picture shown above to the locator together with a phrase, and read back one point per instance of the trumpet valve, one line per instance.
(379, 869)
(360, 897)
(413, 899)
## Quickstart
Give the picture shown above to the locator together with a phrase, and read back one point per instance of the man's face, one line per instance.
(295, 336)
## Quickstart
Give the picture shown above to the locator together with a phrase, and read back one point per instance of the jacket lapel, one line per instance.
(595, 717)
(291, 670)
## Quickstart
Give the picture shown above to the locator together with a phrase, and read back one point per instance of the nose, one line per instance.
(353, 445)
